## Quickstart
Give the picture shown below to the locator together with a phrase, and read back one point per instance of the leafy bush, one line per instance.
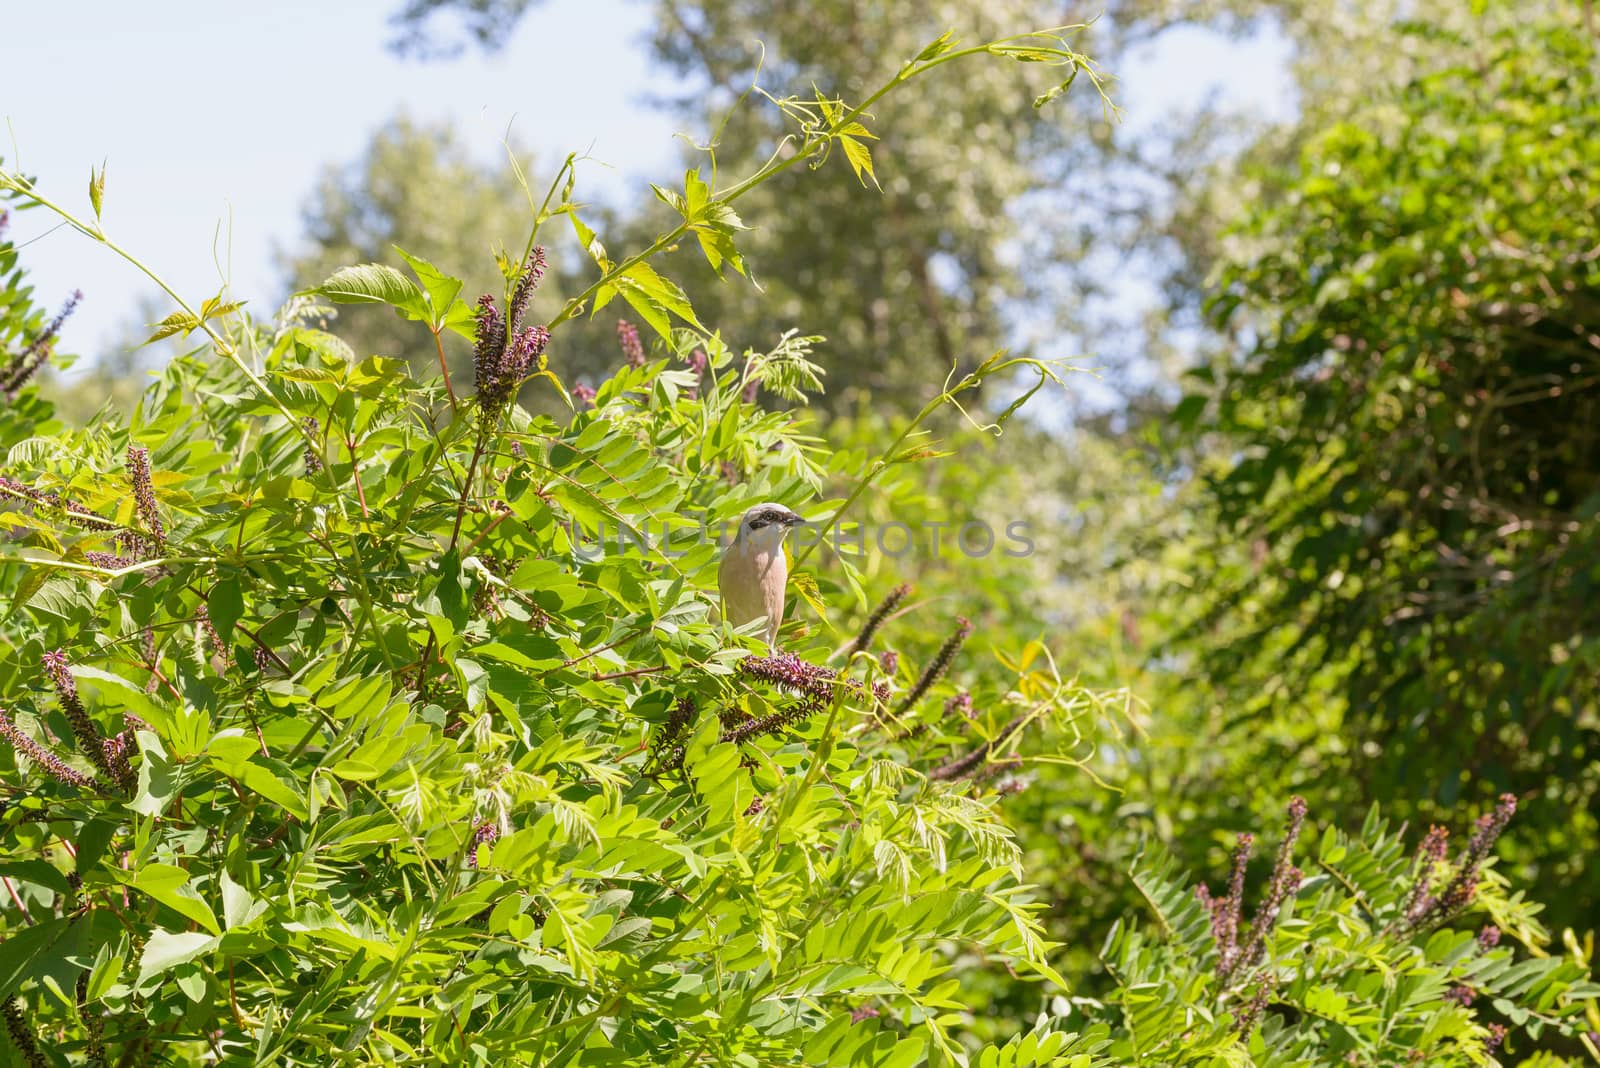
(357, 719)
(1366, 958)
(337, 738)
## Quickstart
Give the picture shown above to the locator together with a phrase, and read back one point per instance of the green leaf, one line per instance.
(374, 283)
(179, 322)
(225, 604)
(38, 872)
(238, 907)
(588, 241)
(24, 948)
(655, 298)
(168, 949)
(97, 189)
(860, 158)
(158, 779)
(441, 289)
(265, 782)
(169, 885)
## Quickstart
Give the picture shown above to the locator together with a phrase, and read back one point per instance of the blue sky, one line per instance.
(216, 117)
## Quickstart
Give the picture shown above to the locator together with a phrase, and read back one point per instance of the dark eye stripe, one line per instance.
(767, 518)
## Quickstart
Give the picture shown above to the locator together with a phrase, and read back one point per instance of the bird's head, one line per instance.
(764, 525)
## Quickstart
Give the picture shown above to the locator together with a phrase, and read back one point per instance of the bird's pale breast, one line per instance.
(752, 585)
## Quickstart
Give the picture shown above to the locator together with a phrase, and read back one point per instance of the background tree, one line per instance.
(421, 188)
(1409, 445)
(483, 22)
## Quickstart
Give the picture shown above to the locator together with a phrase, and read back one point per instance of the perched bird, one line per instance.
(754, 571)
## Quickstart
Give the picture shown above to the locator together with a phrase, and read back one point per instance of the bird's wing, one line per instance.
(774, 577)
(736, 579)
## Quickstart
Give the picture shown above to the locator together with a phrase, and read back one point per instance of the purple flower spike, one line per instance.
(632, 348)
(48, 761)
(506, 352)
(144, 495)
(22, 367)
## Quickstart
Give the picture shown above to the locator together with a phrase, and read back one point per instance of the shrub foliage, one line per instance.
(353, 719)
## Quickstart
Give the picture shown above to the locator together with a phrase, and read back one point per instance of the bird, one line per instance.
(754, 570)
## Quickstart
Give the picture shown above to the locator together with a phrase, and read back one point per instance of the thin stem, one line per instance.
(455, 535)
(815, 142)
(355, 474)
(877, 468)
(11, 888)
(438, 342)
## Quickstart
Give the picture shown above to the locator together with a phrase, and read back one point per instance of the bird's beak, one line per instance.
(797, 521)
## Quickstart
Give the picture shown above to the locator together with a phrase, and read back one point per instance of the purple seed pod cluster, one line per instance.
(874, 621)
(1230, 908)
(1430, 854)
(973, 761)
(313, 460)
(20, 1031)
(1233, 955)
(1281, 885)
(116, 748)
(144, 497)
(485, 833)
(109, 561)
(813, 685)
(522, 295)
(584, 394)
(75, 513)
(666, 747)
(94, 1024)
(678, 719)
(889, 662)
(1266, 983)
(219, 647)
(53, 765)
(960, 705)
(937, 666)
(20, 368)
(489, 341)
(1424, 907)
(789, 672)
(1488, 937)
(632, 347)
(506, 350)
(112, 762)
